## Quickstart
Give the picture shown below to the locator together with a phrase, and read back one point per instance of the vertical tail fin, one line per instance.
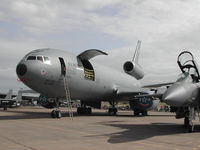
(9, 95)
(137, 52)
(19, 96)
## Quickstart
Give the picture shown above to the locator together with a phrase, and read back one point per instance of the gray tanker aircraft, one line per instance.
(183, 95)
(57, 74)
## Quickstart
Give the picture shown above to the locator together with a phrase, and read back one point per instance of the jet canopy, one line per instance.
(187, 64)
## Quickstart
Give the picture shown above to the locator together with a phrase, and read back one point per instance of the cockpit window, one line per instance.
(31, 58)
(46, 60)
(40, 58)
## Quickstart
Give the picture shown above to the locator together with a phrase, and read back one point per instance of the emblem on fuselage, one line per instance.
(43, 72)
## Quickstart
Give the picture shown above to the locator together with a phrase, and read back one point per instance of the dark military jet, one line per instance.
(184, 94)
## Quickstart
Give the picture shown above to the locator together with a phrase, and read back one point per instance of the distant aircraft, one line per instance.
(184, 94)
(8, 101)
(57, 74)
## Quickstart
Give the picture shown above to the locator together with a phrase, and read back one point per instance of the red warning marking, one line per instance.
(22, 79)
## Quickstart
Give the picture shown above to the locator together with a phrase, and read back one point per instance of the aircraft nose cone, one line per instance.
(175, 95)
(21, 69)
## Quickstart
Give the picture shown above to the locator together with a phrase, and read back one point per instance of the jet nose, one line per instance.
(21, 69)
(175, 95)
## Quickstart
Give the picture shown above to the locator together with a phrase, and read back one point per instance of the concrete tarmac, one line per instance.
(32, 128)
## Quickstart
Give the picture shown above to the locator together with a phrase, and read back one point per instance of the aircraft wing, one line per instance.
(128, 91)
(158, 85)
(128, 94)
(132, 94)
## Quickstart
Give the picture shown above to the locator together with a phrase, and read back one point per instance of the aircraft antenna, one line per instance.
(68, 98)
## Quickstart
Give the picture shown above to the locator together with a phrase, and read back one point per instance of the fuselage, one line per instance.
(42, 70)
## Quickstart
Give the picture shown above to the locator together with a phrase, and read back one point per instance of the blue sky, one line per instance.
(165, 28)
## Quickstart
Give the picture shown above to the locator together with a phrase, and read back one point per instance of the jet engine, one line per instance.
(143, 104)
(133, 69)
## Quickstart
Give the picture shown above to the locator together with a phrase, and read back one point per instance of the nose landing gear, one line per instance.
(56, 114)
(188, 120)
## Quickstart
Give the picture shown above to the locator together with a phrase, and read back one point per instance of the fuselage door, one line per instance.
(63, 66)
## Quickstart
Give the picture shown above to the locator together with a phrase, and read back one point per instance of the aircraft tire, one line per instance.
(186, 122)
(78, 110)
(190, 128)
(84, 110)
(136, 113)
(58, 114)
(89, 111)
(144, 113)
(112, 111)
(53, 114)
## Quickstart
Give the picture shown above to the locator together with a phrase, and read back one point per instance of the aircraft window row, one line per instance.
(43, 59)
(31, 58)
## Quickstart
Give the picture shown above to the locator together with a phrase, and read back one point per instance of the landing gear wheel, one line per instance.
(186, 122)
(136, 113)
(84, 110)
(5, 108)
(58, 114)
(53, 114)
(79, 110)
(190, 128)
(89, 110)
(112, 111)
(144, 113)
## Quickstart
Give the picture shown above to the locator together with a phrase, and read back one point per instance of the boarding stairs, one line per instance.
(68, 98)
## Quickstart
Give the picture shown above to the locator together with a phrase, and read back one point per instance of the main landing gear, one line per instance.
(112, 110)
(84, 110)
(143, 112)
(5, 107)
(56, 113)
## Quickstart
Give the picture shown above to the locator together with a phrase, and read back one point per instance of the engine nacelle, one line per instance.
(144, 103)
(133, 70)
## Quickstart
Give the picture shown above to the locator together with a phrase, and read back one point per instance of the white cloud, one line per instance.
(165, 27)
